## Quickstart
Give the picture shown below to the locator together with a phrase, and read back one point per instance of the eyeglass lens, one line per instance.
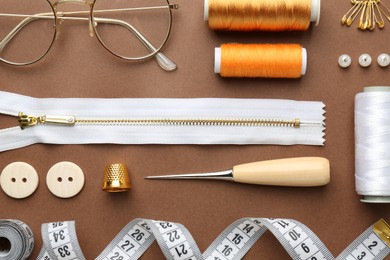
(25, 37)
(132, 29)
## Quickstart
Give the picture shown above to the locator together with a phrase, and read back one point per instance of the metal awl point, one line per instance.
(222, 175)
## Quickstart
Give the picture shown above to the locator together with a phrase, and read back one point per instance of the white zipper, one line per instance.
(160, 121)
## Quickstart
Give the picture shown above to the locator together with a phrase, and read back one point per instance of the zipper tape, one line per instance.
(161, 121)
(176, 242)
(16, 240)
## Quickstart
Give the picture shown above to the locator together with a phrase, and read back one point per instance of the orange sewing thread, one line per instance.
(261, 15)
(261, 60)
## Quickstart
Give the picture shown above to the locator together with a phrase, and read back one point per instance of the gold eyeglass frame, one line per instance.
(163, 61)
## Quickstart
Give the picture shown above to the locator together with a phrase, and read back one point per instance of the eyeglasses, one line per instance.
(129, 29)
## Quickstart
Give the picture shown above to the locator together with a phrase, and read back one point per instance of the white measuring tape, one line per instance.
(176, 242)
(16, 240)
(60, 241)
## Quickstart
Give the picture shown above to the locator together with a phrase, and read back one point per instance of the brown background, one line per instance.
(78, 66)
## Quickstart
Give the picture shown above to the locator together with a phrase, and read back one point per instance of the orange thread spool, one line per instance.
(260, 60)
(261, 15)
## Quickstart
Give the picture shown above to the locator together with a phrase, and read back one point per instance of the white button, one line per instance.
(65, 179)
(344, 61)
(365, 60)
(384, 60)
(19, 180)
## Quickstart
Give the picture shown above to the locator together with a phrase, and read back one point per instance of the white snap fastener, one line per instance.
(65, 179)
(365, 60)
(19, 180)
(384, 60)
(344, 61)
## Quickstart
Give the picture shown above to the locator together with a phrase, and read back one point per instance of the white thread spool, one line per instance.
(372, 144)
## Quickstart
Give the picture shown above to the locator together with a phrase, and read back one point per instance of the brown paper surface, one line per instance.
(78, 66)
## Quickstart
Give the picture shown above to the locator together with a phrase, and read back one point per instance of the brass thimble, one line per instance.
(116, 178)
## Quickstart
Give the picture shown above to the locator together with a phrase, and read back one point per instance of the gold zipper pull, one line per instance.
(30, 120)
(26, 120)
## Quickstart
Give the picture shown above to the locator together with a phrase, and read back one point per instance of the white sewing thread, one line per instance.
(372, 140)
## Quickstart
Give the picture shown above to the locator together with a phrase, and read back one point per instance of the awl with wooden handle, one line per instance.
(298, 172)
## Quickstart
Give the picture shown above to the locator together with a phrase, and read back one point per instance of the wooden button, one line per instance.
(19, 180)
(65, 179)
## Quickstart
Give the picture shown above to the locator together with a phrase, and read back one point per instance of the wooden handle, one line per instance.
(301, 172)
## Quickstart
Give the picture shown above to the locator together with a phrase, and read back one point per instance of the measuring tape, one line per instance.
(60, 241)
(176, 242)
(16, 240)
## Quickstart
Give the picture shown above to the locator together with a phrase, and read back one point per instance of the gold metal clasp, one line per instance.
(382, 229)
(297, 123)
(26, 120)
(29, 120)
(58, 120)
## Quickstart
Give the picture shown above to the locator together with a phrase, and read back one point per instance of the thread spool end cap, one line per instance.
(217, 60)
(206, 10)
(304, 61)
(376, 199)
(315, 11)
(377, 89)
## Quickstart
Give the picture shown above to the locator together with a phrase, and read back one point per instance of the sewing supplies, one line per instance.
(372, 138)
(260, 60)
(176, 242)
(19, 180)
(371, 13)
(16, 240)
(299, 172)
(365, 60)
(65, 179)
(261, 15)
(160, 121)
(116, 178)
(344, 61)
(60, 242)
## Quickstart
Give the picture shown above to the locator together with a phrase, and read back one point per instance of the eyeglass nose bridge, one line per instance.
(85, 2)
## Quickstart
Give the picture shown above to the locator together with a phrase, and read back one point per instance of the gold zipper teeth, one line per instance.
(29, 120)
(196, 122)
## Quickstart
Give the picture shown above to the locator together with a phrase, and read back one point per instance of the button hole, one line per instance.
(70, 179)
(13, 180)
(24, 180)
(59, 179)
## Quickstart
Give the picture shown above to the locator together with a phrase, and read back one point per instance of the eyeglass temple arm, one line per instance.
(164, 62)
(20, 26)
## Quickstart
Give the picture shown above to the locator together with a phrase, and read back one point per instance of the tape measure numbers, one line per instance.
(60, 241)
(176, 242)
